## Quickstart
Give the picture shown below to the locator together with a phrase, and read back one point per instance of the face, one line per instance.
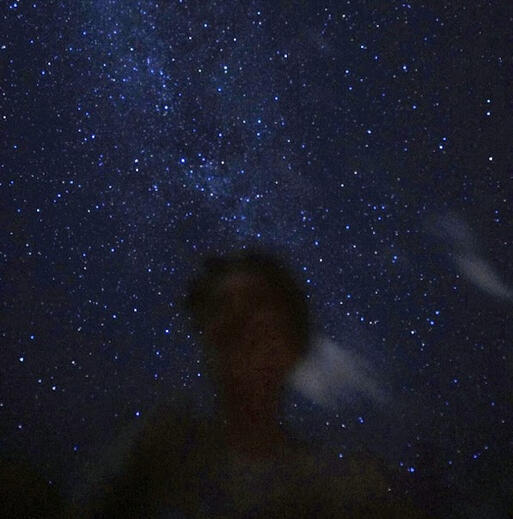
(253, 335)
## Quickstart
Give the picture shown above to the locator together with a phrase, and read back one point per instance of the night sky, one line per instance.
(370, 141)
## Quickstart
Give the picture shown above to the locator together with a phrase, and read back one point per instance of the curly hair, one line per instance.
(203, 304)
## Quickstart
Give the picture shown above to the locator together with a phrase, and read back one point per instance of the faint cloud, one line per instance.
(482, 275)
(331, 375)
(458, 237)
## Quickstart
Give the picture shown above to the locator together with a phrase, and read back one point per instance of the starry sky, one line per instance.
(369, 141)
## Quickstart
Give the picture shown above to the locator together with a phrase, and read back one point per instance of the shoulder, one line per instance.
(157, 452)
(170, 427)
(357, 485)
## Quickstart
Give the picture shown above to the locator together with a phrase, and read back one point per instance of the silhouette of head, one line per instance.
(253, 314)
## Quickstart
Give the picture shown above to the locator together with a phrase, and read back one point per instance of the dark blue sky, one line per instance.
(369, 141)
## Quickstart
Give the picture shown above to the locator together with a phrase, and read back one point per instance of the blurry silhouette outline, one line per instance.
(254, 319)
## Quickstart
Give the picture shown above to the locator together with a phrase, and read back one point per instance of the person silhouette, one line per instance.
(253, 316)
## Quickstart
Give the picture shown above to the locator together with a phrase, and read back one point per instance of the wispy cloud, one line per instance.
(332, 374)
(481, 273)
(463, 243)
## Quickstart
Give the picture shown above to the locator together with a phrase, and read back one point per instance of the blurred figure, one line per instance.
(253, 316)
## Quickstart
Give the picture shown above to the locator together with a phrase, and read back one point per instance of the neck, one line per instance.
(253, 426)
